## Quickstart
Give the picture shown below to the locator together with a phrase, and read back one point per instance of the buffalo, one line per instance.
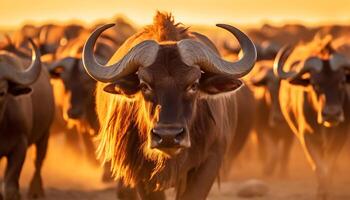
(274, 136)
(166, 108)
(246, 109)
(74, 91)
(314, 101)
(266, 50)
(47, 37)
(52, 36)
(27, 109)
(75, 97)
(120, 32)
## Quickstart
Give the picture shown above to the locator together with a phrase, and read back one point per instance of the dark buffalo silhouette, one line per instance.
(315, 102)
(27, 108)
(275, 138)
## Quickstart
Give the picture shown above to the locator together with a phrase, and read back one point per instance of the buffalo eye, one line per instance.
(2, 93)
(193, 88)
(145, 88)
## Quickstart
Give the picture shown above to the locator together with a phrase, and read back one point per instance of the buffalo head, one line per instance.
(77, 93)
(14, 79)
(324, 77)
(78, 86)
(172, 77)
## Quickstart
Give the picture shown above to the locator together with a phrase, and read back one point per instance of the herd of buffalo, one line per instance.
(167, 107)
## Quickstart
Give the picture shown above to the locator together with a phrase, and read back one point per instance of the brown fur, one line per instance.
(305, 105)
(165, 29)
(319, 47)
(25, 119)
(122, 114)
(126, 123)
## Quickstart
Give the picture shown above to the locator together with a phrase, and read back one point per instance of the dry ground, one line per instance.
(69, 176)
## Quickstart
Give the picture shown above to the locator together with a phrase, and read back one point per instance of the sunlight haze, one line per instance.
(17, 12)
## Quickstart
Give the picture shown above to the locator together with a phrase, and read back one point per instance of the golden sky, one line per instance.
(16, 12)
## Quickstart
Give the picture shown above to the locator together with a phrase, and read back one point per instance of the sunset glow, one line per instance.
(174, 99)
(16, 12)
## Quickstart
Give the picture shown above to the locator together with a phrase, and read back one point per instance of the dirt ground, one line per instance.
(69, 176)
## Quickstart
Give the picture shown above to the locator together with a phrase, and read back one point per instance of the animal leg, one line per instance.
(13, 170)
(126, 193)
(313, 146)
(287, 143)
(271, 155)
(157, 195)
(36, 186)
(337, 142)
(261, 145)
(200, 181)
(90, 149)
(107, 174)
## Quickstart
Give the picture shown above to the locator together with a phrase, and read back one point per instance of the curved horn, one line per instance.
(312, 63)
(143, 54)
(279, 62)
(196, 53)
(28, 76)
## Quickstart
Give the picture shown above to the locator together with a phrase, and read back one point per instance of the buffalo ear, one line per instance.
(16, 89)
(127, 86)
(216, 84)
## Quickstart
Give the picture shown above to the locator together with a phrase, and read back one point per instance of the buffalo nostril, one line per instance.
(156, 137)
(180, 136)
(74, 113)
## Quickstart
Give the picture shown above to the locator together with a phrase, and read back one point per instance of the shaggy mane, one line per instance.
(320, 46)
(164, 28)
(123, 119)
(126, 122)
